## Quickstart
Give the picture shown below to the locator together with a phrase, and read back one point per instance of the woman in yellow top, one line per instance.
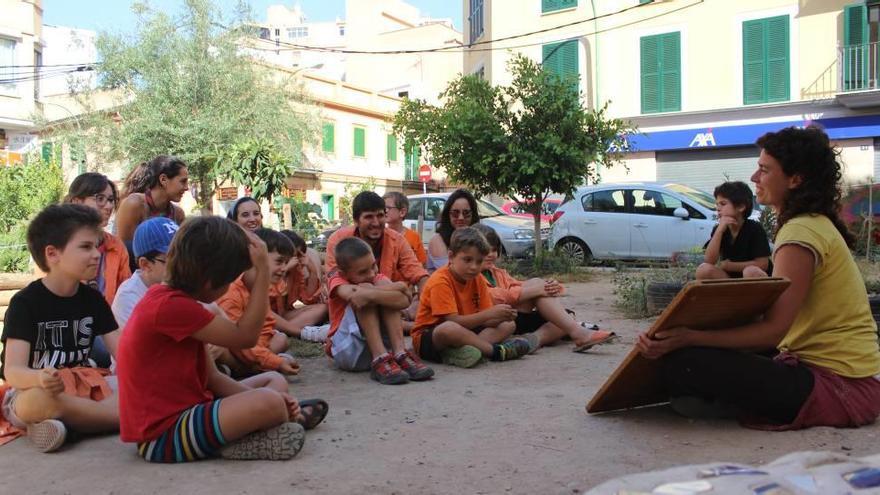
(820, 332)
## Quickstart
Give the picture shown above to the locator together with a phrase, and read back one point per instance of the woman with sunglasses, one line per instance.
(98, 192)
(460, 210)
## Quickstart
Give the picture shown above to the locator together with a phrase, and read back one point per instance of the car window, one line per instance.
(415, 207)
(549, 208)
(648, 202)
(487, 210)
(701, 198)
(611, 201)
(435, 206)
(517, 208)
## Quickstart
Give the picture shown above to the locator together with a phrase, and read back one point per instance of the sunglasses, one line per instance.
(460, 213)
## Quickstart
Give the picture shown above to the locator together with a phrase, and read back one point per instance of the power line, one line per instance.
(45, 75)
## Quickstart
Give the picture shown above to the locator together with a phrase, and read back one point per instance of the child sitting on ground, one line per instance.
(150, 246)
(304, 284)
(172, 401)
(739, 242)
(48, 333)
(457, 322)
(365, 312)
(268, 354)
(540, 317)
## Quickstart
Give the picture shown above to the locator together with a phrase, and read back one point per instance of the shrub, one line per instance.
(550, 265)
(631, 285)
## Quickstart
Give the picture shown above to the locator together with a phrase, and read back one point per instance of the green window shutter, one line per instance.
(855, 46)
(411, 162)
(562, 59)
(778, 80)
(670, 72)
(327, 143)
(391, 148)
(754, 70)
(47, 154)
(359, 142)
(645, 1)
(650, 73)
(551, 5)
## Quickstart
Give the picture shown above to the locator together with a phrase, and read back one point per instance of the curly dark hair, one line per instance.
(808, 153)
(444, 225)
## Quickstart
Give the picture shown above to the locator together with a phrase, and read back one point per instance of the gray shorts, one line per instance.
(348, 346)
(8, 404)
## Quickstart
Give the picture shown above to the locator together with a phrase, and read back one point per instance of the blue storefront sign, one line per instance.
(739, 135)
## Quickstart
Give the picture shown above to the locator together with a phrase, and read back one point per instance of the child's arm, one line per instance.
(244, 334)
(495, 314)
(713, 249)
(392, 296)
(111, 341)
(738, 266)
(20, 376)
(220, 384)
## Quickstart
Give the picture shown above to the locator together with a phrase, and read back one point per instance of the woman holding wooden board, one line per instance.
(818, 344)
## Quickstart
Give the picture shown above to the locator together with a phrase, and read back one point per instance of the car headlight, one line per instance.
(523, 234)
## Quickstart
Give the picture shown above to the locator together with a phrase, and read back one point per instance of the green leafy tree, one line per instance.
(350, 190)
(185, 86)
(527, 140)
(257, 164)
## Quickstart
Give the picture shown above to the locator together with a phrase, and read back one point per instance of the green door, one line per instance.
(328, 207)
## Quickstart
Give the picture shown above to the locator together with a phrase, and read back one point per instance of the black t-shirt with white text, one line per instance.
(750, 243)
(60, 330)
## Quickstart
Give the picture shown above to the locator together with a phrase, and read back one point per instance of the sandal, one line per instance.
(599, 337)
(317, 412)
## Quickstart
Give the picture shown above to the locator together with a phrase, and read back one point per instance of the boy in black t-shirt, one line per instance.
(740, 244)
(48, 333)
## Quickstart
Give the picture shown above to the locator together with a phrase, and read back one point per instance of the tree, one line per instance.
(257, 164)
(526, 140)
(184, 86)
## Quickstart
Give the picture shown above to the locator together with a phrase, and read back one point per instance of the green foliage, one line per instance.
(768, 221)
(350, 190)
(24, 191)
(184, 86)
(631, 285)
(258, 164)
(306, 217)
(528, 140)
(551, 265)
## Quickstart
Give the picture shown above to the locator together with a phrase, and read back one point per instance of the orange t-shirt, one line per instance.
(506, 289)
(336, 305)
(397, 262)
(116, 267)
(284, 294)
(415, 242)
(444, 295)
(234, 303)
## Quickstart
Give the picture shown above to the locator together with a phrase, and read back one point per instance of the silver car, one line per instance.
(517, 234)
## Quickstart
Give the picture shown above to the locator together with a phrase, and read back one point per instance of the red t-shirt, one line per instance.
(336, 305)
(161, 368)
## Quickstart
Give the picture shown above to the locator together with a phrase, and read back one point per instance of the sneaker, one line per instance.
(511, 349)
(386, 371)
(414, 367)
(466, 356)
(47, 436)
(533, 340)
(315, 333)
(275, 444)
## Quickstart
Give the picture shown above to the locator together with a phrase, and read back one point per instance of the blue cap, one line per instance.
(154, 234)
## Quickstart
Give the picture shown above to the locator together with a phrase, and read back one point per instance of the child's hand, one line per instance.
(360, 299)
(289, 368)
(503, 312)
(724, 223)
(257, 249)
(552, 288)
(50, 381)
(294, 413)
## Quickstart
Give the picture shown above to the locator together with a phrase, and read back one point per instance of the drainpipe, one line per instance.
(595, 50)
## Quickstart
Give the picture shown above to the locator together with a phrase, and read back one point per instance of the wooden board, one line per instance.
(701, 305)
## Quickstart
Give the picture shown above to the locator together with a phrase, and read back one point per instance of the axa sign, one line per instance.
(703, 139)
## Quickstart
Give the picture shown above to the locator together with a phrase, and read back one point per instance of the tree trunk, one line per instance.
(539, 243)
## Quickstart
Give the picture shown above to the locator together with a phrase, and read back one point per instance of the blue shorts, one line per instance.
(195, 435)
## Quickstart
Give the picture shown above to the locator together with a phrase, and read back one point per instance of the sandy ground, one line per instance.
(517, 427)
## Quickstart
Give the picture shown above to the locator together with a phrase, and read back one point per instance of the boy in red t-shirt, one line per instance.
(457, 322)
(540, 317)
(172, 400)
(268, 354)
(364, 311)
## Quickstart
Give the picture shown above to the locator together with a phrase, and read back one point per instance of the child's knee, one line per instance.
(448, 328)
(35, 405)
(276, 381)
(507, 327)
(268, 403)
(705, 270)
(753, 272)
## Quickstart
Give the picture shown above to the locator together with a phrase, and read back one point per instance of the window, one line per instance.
(7, 60)
(645, 1)
(415, 207)
(562, 59)
(655, 203)
(435, 207)
(360, 142)
(765, 60)
(554, 5)
(611, 201)
(475, 19)
(342, 30)
(277, 32)
(391, 148)
(861, 32)
(411, 162)
(298, 32)
(481, 73)
(327, 141)
(661, 73)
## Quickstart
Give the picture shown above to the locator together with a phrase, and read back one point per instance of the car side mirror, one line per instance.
(681, 213)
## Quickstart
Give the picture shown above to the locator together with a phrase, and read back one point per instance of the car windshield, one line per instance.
(703, 199)
(488, 210)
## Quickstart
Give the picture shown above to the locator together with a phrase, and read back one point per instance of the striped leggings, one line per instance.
(195, 435)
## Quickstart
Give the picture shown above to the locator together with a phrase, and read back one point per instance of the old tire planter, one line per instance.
(658, 295)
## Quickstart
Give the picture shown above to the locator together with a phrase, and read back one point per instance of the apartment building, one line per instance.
(702, 79)
(20, 56)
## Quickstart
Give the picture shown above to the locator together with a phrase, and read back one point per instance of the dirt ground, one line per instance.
(517, 427)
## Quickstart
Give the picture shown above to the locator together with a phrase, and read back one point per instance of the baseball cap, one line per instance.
(154, 234)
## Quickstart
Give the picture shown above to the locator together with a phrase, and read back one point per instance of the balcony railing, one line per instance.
(858, 67)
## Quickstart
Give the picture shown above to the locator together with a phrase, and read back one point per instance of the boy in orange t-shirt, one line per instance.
(304, 283)
(457, 322)
(396, 209)
(265, 355)
(540, 316)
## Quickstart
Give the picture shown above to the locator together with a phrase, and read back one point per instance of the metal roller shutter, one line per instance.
(876, 159)
(705, 169)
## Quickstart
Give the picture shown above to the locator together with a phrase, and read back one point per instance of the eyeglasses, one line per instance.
(460, 213)
(102, 200)
(391, 208)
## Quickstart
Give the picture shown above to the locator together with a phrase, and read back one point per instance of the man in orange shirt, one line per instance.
(394, 256)
(396, 209)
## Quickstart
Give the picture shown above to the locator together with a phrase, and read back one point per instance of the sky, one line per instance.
(116, 15)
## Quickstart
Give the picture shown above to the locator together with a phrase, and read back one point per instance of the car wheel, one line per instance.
(575, 250)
